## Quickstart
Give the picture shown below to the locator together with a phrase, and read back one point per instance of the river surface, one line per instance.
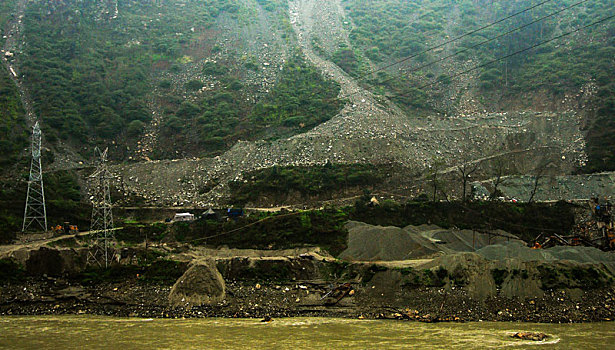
(92, 332)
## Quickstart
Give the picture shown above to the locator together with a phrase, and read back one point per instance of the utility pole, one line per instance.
(35, 213)
(102, 216)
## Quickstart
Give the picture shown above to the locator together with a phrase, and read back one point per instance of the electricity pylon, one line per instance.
(35, 213)
(102, 217)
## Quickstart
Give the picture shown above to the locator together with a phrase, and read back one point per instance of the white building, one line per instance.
(183, 217)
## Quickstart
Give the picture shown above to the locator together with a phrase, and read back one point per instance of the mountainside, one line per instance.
(227, 87)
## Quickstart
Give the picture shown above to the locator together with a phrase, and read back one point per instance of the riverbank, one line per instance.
(292, 287)
(421, 273)
(427, 305)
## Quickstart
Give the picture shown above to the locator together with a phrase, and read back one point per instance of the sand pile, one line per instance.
(463, 240)
(514, 250)
(201, 284)
(378, 243)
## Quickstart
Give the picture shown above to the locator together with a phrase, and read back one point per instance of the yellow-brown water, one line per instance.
(79, 332)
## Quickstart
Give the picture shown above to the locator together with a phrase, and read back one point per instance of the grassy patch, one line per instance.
(10, 271)
(573, 277)
(280, 182)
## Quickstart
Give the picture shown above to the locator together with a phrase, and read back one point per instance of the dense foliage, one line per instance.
(63, 199)
(525, 220)
(89, 68)
(325, 180)
(387, 30)
(13, 136)
(324, 228)
(301, 99)
(94, 71)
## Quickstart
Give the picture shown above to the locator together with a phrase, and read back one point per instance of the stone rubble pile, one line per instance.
(365, 131)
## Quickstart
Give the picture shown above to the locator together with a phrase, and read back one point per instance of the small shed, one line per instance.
(210, 214)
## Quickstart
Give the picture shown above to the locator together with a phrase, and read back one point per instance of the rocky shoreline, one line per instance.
(51, 296)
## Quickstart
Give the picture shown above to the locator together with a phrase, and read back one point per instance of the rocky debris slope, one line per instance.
(344, 139)
(260, 40)
(554, 187)
(367, 130)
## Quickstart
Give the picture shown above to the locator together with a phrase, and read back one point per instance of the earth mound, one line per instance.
(377, 243)
(201, 284)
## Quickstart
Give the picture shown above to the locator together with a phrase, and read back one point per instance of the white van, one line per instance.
(183, 217)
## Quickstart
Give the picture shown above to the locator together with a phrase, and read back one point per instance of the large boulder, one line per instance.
(201, 284)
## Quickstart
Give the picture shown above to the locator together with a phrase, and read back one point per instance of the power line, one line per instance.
(248, 225)
(453, 40)
(461, 37)
(512, 54)
(486, 41)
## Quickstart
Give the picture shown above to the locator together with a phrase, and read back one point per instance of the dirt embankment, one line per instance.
(490, 283)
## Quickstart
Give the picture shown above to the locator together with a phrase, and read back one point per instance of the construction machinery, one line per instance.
(65, 229)
(598, 231)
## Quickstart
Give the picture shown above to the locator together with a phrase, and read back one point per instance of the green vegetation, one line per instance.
(388, 30)
(134, 232)
(499, 275)
(89, 72)
(428, 277)
(63, 199)
(13, 136)
(274, 5)
(600, 140)
(347, 59)
(10, 271)
(324, 228)
(524, 220)
(12, 202)
(279, 182)
(573, 277)
(159, 272)
(92, 73)
(300, 100)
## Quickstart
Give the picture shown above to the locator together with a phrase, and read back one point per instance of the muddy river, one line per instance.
(78, 332)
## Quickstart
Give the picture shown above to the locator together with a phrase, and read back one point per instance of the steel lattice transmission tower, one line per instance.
(102, 216)
(35, 213)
